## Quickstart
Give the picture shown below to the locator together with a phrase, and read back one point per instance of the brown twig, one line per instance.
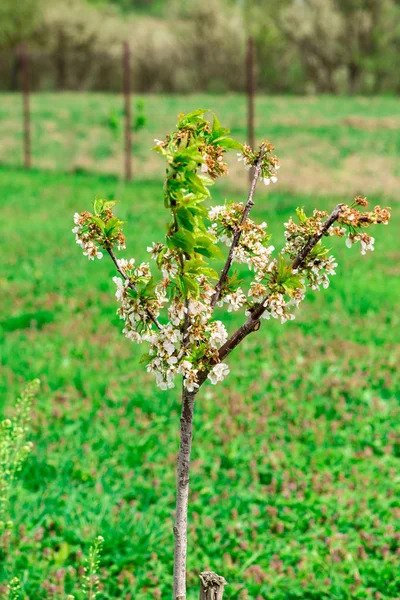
(131, 285)
(238, 231)
(316, 238)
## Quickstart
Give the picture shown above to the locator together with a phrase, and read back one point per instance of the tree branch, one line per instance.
(131, 285)
(314, 240)
(238, 231)
(253, 320)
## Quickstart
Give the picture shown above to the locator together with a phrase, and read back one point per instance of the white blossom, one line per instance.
(218, 334)
(218, 373)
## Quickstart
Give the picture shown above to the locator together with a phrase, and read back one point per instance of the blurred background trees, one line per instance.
(303, 46)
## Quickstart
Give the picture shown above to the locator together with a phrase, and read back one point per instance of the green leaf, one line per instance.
(192, 286)
(204, 238)
(193, 265)
(148, 290)
(301, 215)
(98, 205)
(196, 210)
(232, 283)
(319, 250)
(160, 150)
(198, 352)
(216, 124)
(161, 256)
(210, 251)
(181, 239)
(112, 224)
(209, 272)
(291, 284)
(133, 293)
(229, 143)
(109, 204)
(194, 115)
(185, 218)
(197, 184)
(146, 358)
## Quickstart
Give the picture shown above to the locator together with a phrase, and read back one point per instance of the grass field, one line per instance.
(350, 144)
(295, 485)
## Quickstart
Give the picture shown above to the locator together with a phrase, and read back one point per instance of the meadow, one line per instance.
(295, 478)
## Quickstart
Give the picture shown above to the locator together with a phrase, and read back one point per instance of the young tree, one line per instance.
(175, 315)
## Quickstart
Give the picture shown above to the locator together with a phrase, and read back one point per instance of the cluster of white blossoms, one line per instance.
(170, 350)
(170, 356)
(252, 248)
(135, 309)
(355, 220)
(83, 238)
(277, 308)
(99, 231)
(318, 267)
(318, 271)
(269, 163)
(234, 301)
(366, 241)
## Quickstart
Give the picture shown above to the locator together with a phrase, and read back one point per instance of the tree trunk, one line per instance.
(182, 495)
(212, 586)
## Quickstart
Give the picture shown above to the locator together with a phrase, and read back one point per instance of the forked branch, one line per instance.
(238, 231)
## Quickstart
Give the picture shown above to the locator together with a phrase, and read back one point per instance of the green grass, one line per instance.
(295, 475)
(354, 143)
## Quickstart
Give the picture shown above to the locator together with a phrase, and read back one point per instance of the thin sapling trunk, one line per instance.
(182, 494)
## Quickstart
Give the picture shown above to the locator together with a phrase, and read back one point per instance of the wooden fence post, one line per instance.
(26, 105)
(128, 112)
(211, 586)
(250, 90)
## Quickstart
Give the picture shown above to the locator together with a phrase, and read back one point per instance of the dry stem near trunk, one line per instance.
(211, 586)
(182, 495)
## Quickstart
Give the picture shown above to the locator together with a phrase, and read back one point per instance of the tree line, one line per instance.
(302, 46)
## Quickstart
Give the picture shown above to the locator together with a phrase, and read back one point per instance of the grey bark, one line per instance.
(182, 495)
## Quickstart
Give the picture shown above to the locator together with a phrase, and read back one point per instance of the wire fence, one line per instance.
(122, 118)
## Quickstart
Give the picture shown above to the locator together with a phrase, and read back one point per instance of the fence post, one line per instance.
(211, 586)
(128, 112)
(26, 105)
(250, 90)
